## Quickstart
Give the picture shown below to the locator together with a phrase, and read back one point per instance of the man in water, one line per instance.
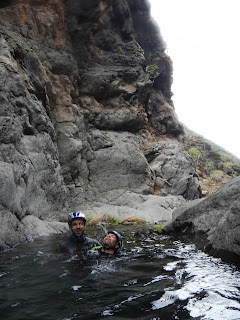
(77, 243)
(112, 244)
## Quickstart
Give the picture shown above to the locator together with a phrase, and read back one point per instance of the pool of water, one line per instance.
(155, 278)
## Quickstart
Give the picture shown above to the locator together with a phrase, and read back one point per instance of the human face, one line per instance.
(110, 241)
(77, 227)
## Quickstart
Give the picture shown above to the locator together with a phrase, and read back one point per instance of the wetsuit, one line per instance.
(74, 245)
(96, 252)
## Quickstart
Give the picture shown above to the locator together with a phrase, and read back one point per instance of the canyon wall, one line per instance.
(86, 117)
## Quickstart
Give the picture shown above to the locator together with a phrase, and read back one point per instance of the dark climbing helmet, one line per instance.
(76, 214)
(119, 239)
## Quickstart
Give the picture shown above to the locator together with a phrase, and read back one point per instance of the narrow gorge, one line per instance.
(87, 123)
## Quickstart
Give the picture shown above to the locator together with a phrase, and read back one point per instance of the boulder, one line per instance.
(174, 169)
(33, 227)
(213, 223)
(13, 230)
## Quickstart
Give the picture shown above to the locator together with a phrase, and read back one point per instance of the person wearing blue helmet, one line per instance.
(112, 244)
(77, 243)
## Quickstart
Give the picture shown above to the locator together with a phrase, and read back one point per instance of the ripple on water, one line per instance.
(210, 286)
(155, 278)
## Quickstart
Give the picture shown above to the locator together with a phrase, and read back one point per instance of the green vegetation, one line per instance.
(158, 228)
(194, 153)
(227, 165)
(113, 220)
(214, 166)
(152, 70)
(228, 168)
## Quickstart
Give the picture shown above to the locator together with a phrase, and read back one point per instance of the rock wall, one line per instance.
(86, 116)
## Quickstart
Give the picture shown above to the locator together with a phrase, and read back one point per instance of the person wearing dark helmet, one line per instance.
(112, 244)
(77, 243)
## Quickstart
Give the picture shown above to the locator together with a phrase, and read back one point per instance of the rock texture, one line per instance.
(86, 116)
(213, 223)
(80, 109)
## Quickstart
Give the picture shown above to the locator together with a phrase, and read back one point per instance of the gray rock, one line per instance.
(30, 173)
(214, 223)
(151, 208)
(174, 170)
(9, 231)
(185, 206)
(32, 227)
(13, 230)
(77, 112)
(120, 166)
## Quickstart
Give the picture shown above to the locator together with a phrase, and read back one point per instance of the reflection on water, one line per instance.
(155, 278)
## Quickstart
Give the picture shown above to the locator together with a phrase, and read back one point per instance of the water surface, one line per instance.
(155, 278)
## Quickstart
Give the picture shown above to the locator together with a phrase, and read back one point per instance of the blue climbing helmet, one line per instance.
(119, 239)
(76, 214)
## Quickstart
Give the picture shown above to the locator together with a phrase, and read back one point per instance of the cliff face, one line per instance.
(86, 116)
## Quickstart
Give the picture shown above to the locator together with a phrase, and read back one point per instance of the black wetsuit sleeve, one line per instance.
(62, 247)
(74, 247)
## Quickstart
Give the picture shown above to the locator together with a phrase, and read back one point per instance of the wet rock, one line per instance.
(15, 230)
(33, 227)
(213, 223)
(9, 231)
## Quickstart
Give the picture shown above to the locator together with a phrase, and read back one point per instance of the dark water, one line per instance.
(156, 278)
